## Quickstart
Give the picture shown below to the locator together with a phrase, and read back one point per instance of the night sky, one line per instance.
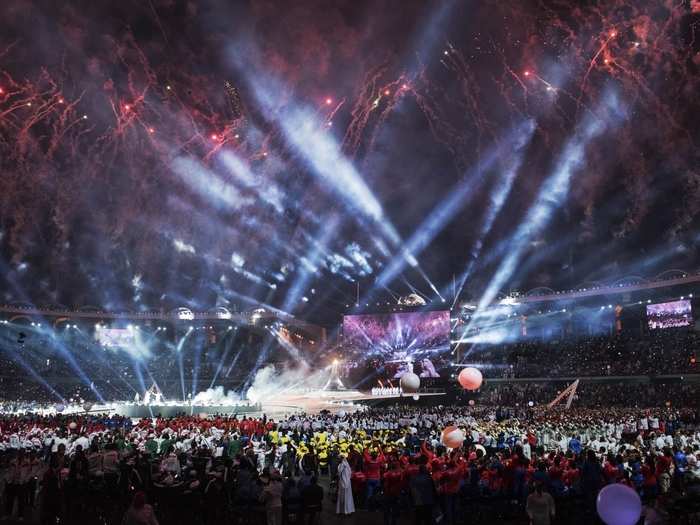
(159, 153)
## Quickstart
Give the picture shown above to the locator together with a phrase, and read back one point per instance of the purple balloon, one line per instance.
(618, 504)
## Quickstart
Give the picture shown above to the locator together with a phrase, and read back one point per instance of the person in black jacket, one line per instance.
(309, 463)
(292, 504)
(312, 499)
(76, 487)
(423, 495)
(289, 460)
(333, 462)
(591, 479)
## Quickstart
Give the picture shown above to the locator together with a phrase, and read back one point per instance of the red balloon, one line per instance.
(470, 378)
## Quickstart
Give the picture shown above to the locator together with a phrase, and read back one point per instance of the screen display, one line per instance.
(400, 342)
(669, 315)
(115, 337)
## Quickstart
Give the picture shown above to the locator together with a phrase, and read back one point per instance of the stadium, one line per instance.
(431, 262)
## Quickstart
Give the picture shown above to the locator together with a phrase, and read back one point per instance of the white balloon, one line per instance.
(341, 414)
(416, 397)
(410, 382)
(452, 437)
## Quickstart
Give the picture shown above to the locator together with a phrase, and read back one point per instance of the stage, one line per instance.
(172, 410)
(330, 400)
(311, 402)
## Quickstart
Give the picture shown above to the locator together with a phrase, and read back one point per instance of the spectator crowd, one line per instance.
(657, 352)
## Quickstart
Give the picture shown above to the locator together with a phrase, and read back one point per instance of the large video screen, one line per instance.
(400, 342)
(669, 315)
(115, 337)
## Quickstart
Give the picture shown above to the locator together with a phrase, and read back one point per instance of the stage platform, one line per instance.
(283, 404)
(330, 400)
(172, 410)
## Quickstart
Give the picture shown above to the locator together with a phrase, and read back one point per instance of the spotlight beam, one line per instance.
(14, 356)
(300, 284)
(309, 137)
(552, 193)
(498, 199)
(180, 363)
(71, 360)
(454, 201)
(228, 345)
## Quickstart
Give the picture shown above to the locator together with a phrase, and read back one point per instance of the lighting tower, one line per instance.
(334, 382)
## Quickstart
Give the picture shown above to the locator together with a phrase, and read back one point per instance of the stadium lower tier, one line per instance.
(637, 391)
